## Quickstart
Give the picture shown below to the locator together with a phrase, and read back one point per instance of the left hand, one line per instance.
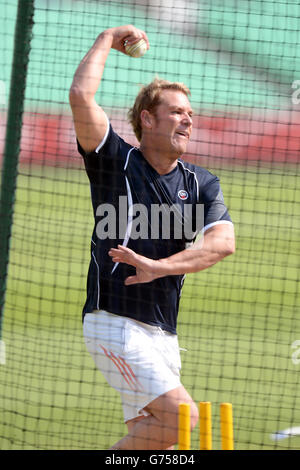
(145, 267)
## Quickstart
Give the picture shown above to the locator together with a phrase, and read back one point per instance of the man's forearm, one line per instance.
(188, 261)
(88, 75)
(212, 249)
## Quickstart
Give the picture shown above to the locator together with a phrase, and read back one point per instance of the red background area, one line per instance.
(50, 139)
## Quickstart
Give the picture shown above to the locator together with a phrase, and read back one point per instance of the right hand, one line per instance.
(128, 33)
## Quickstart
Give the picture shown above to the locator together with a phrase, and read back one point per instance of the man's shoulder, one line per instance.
(202, 175)
(116, 138)
(113, 149)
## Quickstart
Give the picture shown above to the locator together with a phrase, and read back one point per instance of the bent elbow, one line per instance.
(78, 96)
(75, 94)
(230, 247)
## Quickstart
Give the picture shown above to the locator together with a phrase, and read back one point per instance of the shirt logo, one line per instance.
(183, 195)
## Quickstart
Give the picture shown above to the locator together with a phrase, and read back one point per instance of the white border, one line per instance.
(218, 222)
(105, 136)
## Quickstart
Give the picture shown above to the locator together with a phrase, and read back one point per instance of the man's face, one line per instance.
(172, 123)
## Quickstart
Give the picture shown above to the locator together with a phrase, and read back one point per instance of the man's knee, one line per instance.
(166, 410)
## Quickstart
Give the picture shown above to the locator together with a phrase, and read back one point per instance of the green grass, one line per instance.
(237, 320)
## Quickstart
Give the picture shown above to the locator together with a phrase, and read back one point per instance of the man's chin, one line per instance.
(180, 150)
(180, 145)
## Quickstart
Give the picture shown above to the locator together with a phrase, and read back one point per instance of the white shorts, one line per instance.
(140, 361)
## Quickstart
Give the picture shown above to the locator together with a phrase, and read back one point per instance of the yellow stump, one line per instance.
(184, 426)
(205, 436)
(226, 426)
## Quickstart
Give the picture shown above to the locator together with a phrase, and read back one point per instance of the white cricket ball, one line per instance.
(137, 49)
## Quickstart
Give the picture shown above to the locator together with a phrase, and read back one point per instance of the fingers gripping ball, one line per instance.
(137, 49)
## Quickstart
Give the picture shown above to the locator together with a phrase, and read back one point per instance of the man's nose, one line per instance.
(188, 119)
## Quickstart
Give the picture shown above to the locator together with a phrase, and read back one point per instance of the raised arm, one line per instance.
(90, 120)
(218, 242)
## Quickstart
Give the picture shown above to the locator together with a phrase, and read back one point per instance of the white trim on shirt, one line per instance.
(218, 222)
(105, 136)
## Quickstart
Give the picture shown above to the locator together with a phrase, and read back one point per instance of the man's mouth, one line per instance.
(184, 134)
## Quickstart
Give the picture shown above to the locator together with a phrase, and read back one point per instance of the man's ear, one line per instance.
(146, 119)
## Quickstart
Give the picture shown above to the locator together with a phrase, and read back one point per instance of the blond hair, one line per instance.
(149, 98)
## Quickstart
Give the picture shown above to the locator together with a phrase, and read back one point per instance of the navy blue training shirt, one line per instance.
(136, 207)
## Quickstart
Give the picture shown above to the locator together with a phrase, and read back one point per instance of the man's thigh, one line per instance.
(166, 407)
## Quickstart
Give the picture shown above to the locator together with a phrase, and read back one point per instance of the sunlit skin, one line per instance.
(167, 131)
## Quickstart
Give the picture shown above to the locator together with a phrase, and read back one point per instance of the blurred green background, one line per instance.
(230, 54)
(239, 319)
